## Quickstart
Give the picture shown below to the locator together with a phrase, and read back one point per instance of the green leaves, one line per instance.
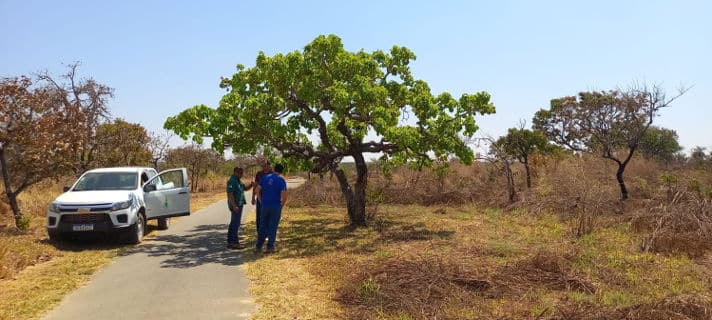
(521, 143)
(340, 97)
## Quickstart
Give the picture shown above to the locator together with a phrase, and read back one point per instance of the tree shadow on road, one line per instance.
(204, 244)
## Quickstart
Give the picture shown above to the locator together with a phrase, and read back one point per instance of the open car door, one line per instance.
(167, 194)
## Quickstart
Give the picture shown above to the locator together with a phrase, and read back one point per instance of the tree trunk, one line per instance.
(526, 168)
(355, 197)
(17, 214)
(621, 183)
(358, 216)
(11, 196)
(512, 193)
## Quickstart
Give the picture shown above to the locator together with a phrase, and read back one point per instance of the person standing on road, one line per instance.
(266, 169)
(235, 203)
(272, 193)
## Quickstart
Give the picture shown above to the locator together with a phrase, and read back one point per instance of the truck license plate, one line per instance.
(83, 227)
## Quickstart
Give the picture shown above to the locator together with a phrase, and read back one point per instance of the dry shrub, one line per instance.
(426, 186)
(642, 176)
(424, 287)
(545, 269)
(20, 249)
(458, 184)
(420, 286)
(671, 308)
(317, 192)
(684, 225)
(574, 188)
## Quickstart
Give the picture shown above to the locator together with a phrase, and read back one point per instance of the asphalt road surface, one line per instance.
(185, 272)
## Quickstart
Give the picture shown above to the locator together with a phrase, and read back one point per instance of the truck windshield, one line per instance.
(107, 181)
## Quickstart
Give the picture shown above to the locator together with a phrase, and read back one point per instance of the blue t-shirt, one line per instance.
(272, 186)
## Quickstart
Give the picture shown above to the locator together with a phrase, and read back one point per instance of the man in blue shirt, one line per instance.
(235, 203)
(272, 194)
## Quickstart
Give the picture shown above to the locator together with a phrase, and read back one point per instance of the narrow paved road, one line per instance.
(182, 273)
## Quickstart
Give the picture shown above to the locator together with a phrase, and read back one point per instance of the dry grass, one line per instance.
(36, 274)
(462, 262)
(581, 189)
(684, 226)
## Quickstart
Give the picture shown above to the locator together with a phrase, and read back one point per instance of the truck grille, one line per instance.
(85, 217)
(90, 208)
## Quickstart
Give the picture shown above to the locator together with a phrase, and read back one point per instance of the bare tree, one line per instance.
(90, 98)
(197, 159)
(159, 144)
(501, 159)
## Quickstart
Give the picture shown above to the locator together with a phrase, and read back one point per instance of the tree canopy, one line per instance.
(609, 123)
(660, 144)
(521, 143)
(42, 128)
(325, 103)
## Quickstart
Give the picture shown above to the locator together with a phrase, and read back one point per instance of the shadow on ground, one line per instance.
(94, 241)
(204, 244)
(314, 236)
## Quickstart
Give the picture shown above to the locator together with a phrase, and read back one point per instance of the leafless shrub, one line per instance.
(545, 269)
(574, 188)
(683, 225)
(419, 286)
(670, 308)
(317, 192)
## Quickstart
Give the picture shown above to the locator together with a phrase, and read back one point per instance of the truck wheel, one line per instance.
(137, 230)
(164, 223)
(55, 236)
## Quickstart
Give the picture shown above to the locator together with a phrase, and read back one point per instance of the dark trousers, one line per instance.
(258, 206)
(235, 219)
(269, 221)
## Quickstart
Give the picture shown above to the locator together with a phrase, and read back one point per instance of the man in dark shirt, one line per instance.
(266, 169)
(235, 202)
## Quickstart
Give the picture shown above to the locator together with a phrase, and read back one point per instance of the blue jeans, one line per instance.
(235, 218)
(269, 221)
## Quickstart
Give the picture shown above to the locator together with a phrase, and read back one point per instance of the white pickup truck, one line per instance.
(119, 200)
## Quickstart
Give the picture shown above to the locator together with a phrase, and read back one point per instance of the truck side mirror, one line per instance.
(149, 187)
(66, 188)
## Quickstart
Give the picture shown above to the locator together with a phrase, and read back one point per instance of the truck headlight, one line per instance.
(122, 205)
(54, 207)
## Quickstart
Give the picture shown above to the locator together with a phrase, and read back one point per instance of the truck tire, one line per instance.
(137, 230)
(55, 236)
(164, 223)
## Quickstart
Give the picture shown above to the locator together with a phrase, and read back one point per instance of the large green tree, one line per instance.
(326, 103)
(609, 123)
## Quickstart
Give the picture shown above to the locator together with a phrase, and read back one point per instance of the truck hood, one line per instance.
(93, 197)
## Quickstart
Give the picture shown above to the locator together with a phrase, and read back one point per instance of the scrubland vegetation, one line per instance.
(448, 244)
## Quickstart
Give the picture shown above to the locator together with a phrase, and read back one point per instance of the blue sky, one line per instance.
(164, 56)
